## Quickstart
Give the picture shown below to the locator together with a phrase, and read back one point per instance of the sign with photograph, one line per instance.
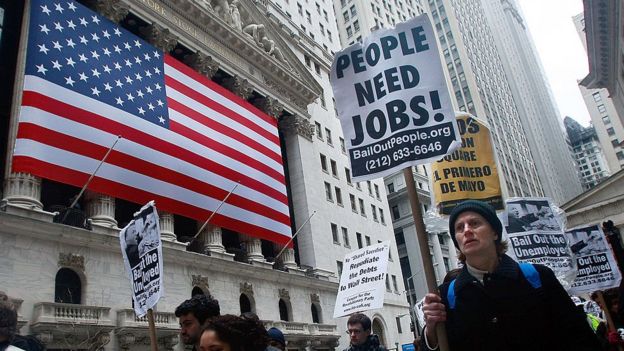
(363, 280)
(469, 172)
(597, 268)
(536, 235)
(392, 100)
(142, 254)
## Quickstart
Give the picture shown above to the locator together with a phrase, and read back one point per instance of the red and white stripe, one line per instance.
(215, 141)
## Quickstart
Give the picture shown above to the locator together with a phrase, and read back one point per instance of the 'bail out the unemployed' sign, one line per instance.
(392, 100)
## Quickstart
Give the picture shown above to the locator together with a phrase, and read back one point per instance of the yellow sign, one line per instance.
(469, 172)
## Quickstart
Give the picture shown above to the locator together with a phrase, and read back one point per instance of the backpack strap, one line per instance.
(528, 270)
(531, 274)
(450, 294)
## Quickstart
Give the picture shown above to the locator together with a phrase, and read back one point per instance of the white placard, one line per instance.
(142, 253)
(363, 280)
(392, 100)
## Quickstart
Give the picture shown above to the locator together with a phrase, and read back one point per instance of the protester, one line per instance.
(361, 337)
(496, 304)
(276, 338)
(8, 326)
(192, 314)
(233, 333)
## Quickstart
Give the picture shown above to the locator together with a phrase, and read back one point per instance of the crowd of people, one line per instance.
(491, 303)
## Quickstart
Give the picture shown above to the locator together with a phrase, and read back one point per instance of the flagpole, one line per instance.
(84, 187)
(423, 244)
(213, 213)
(293, 237)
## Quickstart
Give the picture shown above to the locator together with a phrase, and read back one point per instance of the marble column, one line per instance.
(211, 236)
(270, 106)
(287, 258)
(438, 257)
(239, 86)
(297, 125)
(202, 63)
(101, 209)
(166, 223)
(23, 190)
(160, 37)
(254, 248)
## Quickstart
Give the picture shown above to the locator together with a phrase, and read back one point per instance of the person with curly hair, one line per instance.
(233, 333)
(192, 314)
(8, 326)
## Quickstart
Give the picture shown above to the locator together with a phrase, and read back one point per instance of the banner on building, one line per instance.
(186, 140)
(469, 172)
(535, 235)
(596, 265)
(392, 100)
(142, 254)
(363, 280)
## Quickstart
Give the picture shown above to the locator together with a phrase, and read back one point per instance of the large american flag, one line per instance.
(186, 141)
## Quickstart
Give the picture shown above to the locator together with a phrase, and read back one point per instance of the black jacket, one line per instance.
(507, 313)
(371, 344)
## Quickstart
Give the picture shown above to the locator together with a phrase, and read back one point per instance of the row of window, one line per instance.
(329, 195)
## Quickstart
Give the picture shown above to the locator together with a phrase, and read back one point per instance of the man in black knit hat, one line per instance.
(496, 303)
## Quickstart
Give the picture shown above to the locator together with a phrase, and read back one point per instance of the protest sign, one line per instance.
(418, 309)
(363, 280)
(535, 235)
(469, 172)
(142, 253)
(392, 100)
(597, 268)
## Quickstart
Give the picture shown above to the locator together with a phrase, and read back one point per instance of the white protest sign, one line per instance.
(363, 280)
(420, 314)
(535, 234)
(142, 253)
(597, 268)
(392, 100)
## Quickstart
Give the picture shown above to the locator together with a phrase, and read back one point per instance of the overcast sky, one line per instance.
(561, 52)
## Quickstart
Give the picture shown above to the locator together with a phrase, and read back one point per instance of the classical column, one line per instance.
(101, 209)
(452, 252)
(254, 248)
(239, 86)
(437, 254)
(166, 226)
(211, 237)
(297, 125)
(114, 10)
(160, 37)
(202, 63)
(24, 190)
(287, 258)
(270, 106)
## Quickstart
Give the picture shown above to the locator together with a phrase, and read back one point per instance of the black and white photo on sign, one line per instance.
(531, 215)
(587, 242)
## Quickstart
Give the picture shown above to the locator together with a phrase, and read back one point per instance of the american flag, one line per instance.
(186, 141)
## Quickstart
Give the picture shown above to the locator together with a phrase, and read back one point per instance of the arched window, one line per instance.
(197, 291)
(316, 313)
(245, 304)
(379, 330)
(67, 287)
(283, 310)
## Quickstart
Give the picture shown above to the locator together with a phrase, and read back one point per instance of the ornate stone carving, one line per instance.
(200, 280)
(283, 294)
(45, 337)
(202, 63)
(315, 298)
(114, 10)
(256, 32)
(237, 22)
(298, 125)
(238, 86)
(126, 340)
(246, 288)
(160, 37)
(168, 341)
(222, 9)
(101, 340)
(72, 261)
(270, 106)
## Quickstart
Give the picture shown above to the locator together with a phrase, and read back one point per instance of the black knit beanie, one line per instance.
(480, 207)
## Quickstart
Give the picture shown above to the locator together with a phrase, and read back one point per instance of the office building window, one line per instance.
(345, 237)
(324, 163)
(328, 192)
(338, 195)
(334, 230)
